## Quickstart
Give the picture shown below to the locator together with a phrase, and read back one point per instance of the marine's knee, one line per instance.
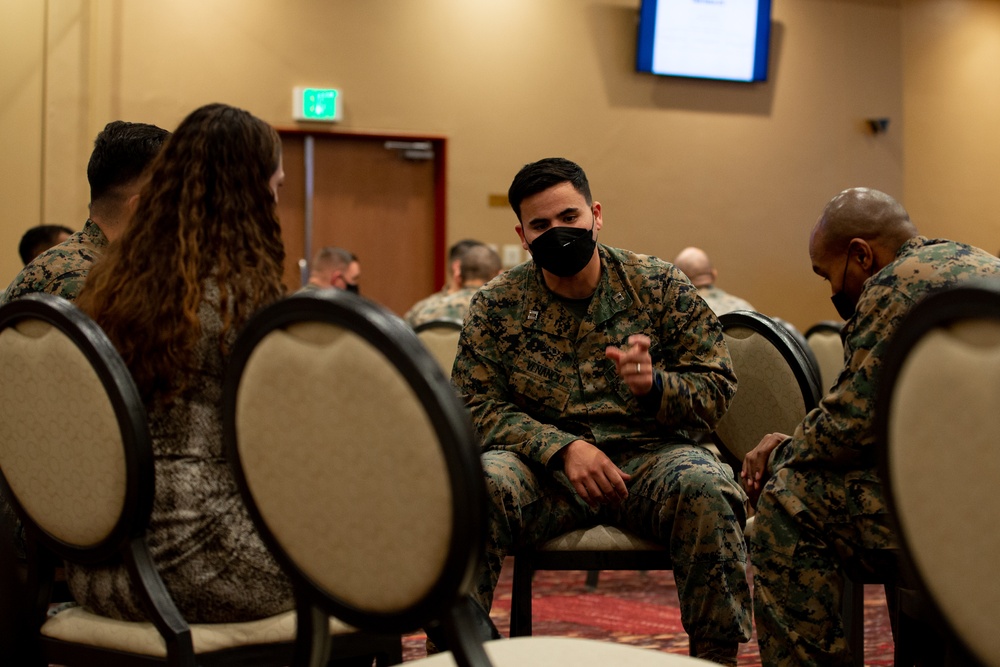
(510, 481)
(709, 487)
(773, 532)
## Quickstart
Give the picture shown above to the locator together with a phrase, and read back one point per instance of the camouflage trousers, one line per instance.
(809, 526)
(679, 495)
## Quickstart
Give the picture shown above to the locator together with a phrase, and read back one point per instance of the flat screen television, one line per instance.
(705, 39)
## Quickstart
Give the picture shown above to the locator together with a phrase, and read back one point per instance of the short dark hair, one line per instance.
(39, 239)
(335, 257)
(542, 175)
(122, 151)
(480, 262)
(460, 247)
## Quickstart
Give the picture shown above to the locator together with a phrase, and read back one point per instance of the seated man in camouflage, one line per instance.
(116, 170)
(335, 267)
(122, 151)
(478, 265)
(587, 372)
(821, 501)
(454, 277)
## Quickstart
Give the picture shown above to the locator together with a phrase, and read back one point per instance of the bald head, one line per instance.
(696, 265)
(862, 213)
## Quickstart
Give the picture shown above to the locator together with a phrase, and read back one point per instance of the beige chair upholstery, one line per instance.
(777, 385)
(337, 481)
(828, 348)
(440, 337)
(939, 426)
(77, 462)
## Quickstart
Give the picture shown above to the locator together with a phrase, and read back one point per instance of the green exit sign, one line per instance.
(316, 104)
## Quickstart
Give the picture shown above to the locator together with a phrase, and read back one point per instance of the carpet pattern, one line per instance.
(637, 608)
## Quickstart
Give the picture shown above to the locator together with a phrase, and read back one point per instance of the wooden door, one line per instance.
(376, 196)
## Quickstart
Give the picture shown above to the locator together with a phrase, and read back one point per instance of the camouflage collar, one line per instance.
(543, 310)
(94, 233)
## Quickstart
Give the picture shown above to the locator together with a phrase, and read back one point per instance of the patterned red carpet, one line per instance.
(639, 609)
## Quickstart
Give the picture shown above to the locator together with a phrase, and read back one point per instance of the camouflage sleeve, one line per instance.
(481, 379)
(840, 430)
(35, 279)
(699, 382)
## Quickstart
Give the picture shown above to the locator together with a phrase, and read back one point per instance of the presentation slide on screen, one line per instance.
(706, 38)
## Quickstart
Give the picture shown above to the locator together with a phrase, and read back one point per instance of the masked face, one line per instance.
(842, 301)
(564, 251)
(348, 278)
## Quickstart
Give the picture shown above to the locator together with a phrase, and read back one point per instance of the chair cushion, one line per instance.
(547, 651)
(943, 473)
(78, 501)
(311, 387)
(768, 398)
(80, 626)
(829, 351)
(600, 538)
(442, 344)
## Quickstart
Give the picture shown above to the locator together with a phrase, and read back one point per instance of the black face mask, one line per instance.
(844, 304)
(845, 307)
(564, 251)
(352, 287)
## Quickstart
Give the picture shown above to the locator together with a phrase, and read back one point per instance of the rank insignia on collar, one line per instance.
(619, 296)
(532, 314)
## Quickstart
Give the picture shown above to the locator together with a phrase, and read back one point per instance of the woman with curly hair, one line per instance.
(202, 254)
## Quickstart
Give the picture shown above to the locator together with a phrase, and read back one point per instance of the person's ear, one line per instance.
(132, 203)
(520, 232)
(862, 252)
(598, 217)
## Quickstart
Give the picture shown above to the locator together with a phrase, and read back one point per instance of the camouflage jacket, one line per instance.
(536, 378)
(722, 302)
(426, 302)
(441, 306)
(60, 270)
(839, 433)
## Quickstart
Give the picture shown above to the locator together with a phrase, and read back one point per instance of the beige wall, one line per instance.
(742, 170)
(21, 75)
(951, 102)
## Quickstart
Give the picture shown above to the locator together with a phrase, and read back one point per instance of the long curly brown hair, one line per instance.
(206, 213)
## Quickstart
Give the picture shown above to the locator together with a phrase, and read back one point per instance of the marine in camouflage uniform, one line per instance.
(823, 507)
(441, 306)
(62, 269)
(722, 302)
(535, 377)
(478, 264)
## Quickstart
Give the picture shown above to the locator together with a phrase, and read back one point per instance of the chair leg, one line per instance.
(520, 598)
(592, 577)
(852, 612)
